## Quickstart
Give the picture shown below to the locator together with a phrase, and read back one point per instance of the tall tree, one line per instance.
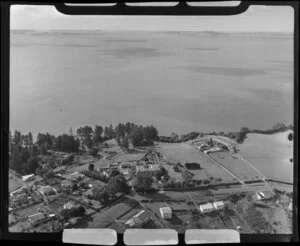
(97, 137)
(17, 138)
(30, 139)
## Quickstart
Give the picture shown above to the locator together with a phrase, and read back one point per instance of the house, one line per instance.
(88, 193)
(17, 192)
(68, 205)
(257, 196)
(28, 177)
(206, 208)
(76, 176)
(46, 190)
(262, 194)
(139, 219)
(153, 169)
(291, 205)
(67, 184)
(219, 205)
(214, 149)
(36, 219)
(166, 212)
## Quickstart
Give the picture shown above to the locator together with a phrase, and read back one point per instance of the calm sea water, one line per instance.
(177, 81)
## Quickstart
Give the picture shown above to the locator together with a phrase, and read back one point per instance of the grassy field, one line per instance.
(236, 165)
(15, 182)
(183, 152)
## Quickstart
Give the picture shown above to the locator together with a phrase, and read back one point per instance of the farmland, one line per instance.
(236, 165)
(183, 152)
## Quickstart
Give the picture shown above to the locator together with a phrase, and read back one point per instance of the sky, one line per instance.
(255, 19)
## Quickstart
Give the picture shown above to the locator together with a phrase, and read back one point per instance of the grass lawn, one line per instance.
(236, 165)
(15, 182)
(183, 153)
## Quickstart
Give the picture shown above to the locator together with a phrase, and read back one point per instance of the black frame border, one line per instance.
(121, 9)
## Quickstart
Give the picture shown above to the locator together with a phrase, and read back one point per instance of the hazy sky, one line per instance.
(255, 19)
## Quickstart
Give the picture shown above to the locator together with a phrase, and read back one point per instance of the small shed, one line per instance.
(36, 219)
(166, 212)
(28, 177)
(206, 208)
(46, 190)
(219, 205)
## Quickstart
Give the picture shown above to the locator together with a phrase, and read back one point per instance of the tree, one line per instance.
(30, 139)
(51, 162)
(245, 129)
(71, 132)
(17, 137)
(187, 175)
(97, 138)
(30, 166)
(118, 184)
(142, 182)
(91, 167)
(114, 173)
(16, 161)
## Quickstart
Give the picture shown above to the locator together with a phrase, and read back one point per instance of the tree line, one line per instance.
(24, 152)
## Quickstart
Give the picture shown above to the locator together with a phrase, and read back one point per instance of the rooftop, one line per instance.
(165, 210)
(148, 168)
(207, 206)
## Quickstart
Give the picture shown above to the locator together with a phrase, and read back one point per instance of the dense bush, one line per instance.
(95, 175)
(193, 166)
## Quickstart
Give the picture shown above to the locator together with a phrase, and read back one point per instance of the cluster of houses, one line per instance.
(214, 145)
(262, 195)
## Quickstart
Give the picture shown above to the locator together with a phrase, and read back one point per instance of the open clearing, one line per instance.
(15, 182)
(183, 152)
(236, 165)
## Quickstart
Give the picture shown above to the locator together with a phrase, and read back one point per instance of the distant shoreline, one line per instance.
(161, 31)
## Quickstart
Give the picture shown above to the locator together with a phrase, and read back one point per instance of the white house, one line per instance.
(166, 212)
(68, 205)
(291, 205)
(206, 208)
(258, 197)
(219, 205)
(262, 194)
(27, 177)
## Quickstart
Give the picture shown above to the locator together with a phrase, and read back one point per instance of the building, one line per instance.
(214, 149)
(166, 212)
(17, 192)
(206, 208)
(291, 205)
(28, 177)
(153, 169)
(46, 190)
(257, 196)
(219, 205)
(67, 184)
(76, 176)
(68, 205)
(36, 219)
(139, 219)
